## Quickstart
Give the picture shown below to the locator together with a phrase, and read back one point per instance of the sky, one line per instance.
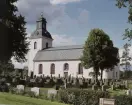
(70, 21)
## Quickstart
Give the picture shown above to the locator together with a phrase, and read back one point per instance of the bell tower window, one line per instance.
(47, 45)
(35, 45)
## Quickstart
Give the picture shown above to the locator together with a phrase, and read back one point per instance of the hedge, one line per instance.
(81, 97)
(123, 100)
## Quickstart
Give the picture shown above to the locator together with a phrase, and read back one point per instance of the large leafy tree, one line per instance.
(14, 36)
(126, 4)
(97, 53)
(110, 57)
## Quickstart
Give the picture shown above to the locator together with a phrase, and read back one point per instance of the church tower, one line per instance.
(40, 39)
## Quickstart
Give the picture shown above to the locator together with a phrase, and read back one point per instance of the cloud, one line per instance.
(83, 17)
(61, 40)
(31, 9)
(56, 15)
(63, 1)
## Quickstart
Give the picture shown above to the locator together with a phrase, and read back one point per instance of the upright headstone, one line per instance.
(104, 101)
(128, 92)
(112, 87)
(126, 84)
(103, 88)
(20, 87)
(94, 87)
(52, 92)
(35, 90)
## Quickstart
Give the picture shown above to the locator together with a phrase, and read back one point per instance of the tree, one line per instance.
(14, 37)
(125, 58)
(110, 57)
(96, 52)
(126, 4)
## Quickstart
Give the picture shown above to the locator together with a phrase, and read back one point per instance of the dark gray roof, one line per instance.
(73, 52)
(39, 33)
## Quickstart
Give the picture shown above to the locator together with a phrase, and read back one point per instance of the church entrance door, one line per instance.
(66, 74)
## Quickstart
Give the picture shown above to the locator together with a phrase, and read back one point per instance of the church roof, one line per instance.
(61, 53)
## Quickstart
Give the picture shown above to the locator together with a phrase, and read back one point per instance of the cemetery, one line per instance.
(86, 74)
(75, 91)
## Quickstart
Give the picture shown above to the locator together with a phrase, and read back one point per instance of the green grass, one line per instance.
(9, 99)
(117, 92)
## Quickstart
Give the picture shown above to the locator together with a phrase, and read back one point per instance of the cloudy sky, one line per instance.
(69, 21)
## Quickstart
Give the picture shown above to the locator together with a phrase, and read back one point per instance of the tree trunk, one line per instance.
(96, 70)
(101, 75)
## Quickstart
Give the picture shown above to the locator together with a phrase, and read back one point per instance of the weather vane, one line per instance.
(41, 14)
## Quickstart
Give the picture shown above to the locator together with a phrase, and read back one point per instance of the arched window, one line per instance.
(40, 69)
(116, 74)
(66, 66)
(80, 68)
(35, 45)
(47, 45)
(52, 69)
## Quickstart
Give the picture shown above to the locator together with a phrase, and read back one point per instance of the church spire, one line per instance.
(41, 29)
(41, 22)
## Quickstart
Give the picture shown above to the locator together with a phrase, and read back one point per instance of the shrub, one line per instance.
(31, 94)
(13, 90)
(123, 100)
(81, 97)
(20, 92)
(56, 87)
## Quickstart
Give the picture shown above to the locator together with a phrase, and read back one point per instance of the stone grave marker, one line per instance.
(36, 91)
(129, 92)
(20, 88)
(52, 92)
(105, 101)
(112, 87)
(103, 88)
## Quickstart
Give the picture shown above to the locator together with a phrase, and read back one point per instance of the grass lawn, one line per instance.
(117, 92)
(9, 99)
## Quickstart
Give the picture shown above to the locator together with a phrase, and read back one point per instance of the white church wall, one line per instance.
(32, 52)
(73, 69)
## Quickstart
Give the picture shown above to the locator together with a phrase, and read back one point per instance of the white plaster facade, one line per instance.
(33, 66)
(73, 70)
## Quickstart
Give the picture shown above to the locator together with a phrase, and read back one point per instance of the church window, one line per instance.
(80, 68)
(47, 45)
(116, 74)
(52, 69)
(66, 66)
(35, 45)
(40, 71)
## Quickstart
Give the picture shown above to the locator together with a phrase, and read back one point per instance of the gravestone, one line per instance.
(36, 91)
(94, 87)
(52, 92)
(112, 87)
(129, 92)
(126, 84)
(103, 88)
(105, 101)
(8, 84)
(20, 87)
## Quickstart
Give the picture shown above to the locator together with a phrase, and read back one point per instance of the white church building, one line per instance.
(43, 59)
